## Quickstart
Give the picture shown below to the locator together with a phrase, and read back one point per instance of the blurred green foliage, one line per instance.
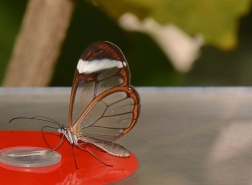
(149, 66)
(216, 20)
(233, 68)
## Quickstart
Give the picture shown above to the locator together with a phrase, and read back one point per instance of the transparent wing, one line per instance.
(110, 115)
(101, 67)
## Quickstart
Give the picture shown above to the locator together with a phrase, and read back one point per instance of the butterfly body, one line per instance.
(70, 136)
(107, 146)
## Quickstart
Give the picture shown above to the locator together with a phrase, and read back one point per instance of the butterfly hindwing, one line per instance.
(110, 115)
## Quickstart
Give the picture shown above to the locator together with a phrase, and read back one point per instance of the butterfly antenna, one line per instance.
(43, 118)
(39, 118)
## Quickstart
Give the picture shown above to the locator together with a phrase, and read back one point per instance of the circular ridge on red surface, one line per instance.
(91, 171)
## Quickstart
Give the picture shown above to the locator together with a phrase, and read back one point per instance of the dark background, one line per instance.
(149, 66)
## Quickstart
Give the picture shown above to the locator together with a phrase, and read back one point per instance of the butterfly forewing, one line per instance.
(83, 96)
(101, 67)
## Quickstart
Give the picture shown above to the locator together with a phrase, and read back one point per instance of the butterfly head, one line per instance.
(61, 129)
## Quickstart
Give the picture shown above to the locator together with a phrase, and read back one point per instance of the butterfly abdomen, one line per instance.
(109, 147)
(114, 149)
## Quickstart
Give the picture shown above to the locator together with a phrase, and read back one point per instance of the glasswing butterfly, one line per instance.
(103, 105)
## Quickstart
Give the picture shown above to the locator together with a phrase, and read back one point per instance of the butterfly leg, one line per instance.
(97, 158)
(75, 162)
(58, 145)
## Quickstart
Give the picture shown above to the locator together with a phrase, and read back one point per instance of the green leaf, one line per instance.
(216, 20)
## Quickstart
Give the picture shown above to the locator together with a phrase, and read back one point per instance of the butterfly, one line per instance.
(103, 105)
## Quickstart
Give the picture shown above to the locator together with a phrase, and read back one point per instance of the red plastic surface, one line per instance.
(91, 171)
